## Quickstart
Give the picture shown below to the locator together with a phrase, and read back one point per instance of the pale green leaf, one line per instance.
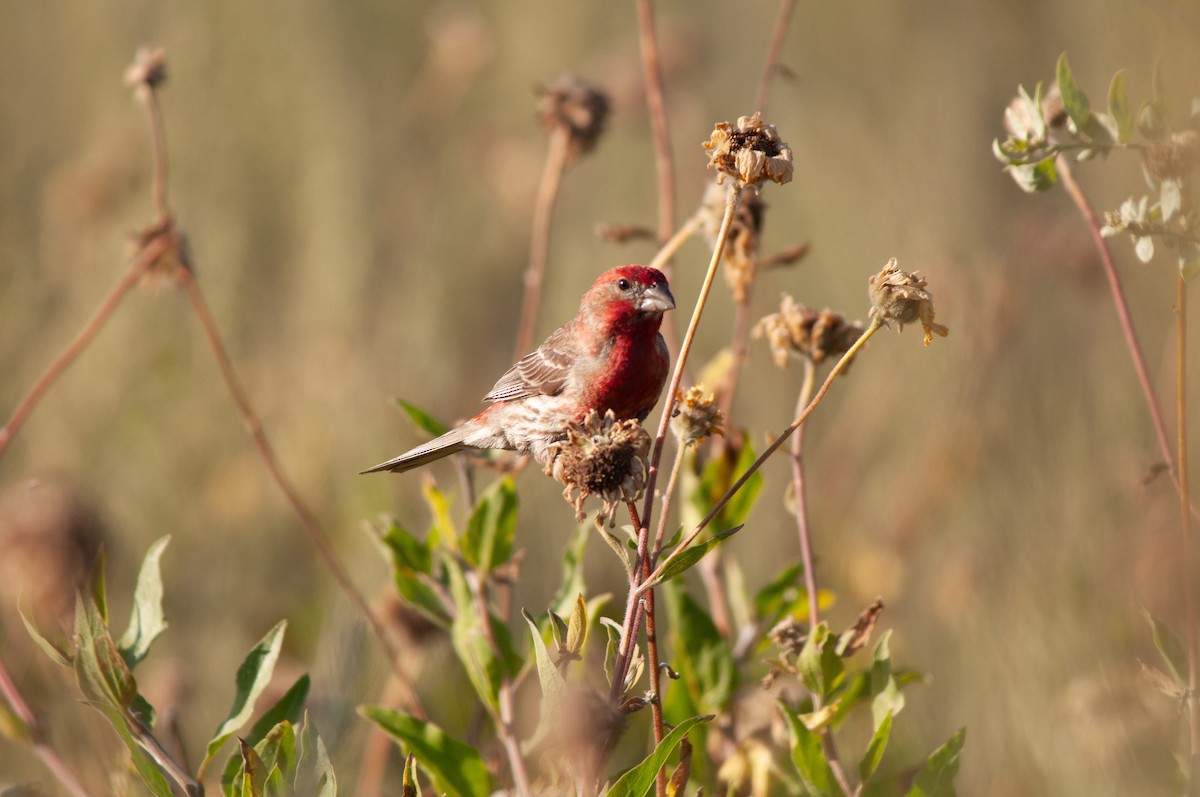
(146, 619)
(456, 767)
(253, 676)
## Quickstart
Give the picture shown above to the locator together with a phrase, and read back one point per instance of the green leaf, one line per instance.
(718, 476)
(407, 551)
(809, 757)
(253, 676)
(638, 781)
(1034, 178)
(484, 667)
(572, 571)
(56, 654)
(488, 541)
(821, 668)
(886, 697)
(577, 628)
(409, 783)
(1074, 100)
(1118, 106)
(936, 778)
(683, 561)
(289, 708)
(422, 419)
(455, 767)
(146, 619)
(705, 659)
(314, 771)
(553, 685)
(100, 670)
(147, 770)
(769, 602)
(1169, 648)
(253, 772)
(443, 529)
(875, 748)
(96, 588)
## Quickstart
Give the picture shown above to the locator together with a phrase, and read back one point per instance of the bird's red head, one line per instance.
(629, 294)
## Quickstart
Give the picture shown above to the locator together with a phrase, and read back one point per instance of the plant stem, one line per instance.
(1185, 516)
(668, 249)
(806, 554)
(652, 663)
(1125, 318)
(503, 717)
(782, 21)
(874, 327)
(664, 164)
(308, 519)
(625, 651)
(539, 243)
(668, 496)
(37, 737)
(147, 257)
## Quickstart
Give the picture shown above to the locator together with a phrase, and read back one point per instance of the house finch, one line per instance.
(610, 356)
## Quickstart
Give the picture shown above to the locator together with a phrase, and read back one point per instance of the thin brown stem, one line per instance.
(1185, 516)
(147, 257)
(782, 21)
(664, 163)
(652, 662)
(539, 244)
(798, 487)
(629, 631)
(672, 245)
(1124, 317)
(808, 560)
(37, 737)
(874, 327)
(307, 518)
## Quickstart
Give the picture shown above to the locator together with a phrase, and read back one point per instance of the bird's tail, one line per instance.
(444, 446)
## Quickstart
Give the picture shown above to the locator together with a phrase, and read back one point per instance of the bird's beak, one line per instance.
(657, 299)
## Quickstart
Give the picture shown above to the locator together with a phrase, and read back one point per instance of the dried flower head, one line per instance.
(901, 297)
(149, 68)
(603, 457)
(741, 245)
(1174, 156)
(749, 150)
(577, 107)
(798, 331)
(696, 416)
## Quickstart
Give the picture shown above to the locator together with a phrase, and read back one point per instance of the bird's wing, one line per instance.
(542, 372)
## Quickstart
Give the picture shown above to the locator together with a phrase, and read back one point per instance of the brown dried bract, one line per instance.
(603, 457)
(749, 150)
(901, 297)
(579, 108)
(149, 68)
(798, 331)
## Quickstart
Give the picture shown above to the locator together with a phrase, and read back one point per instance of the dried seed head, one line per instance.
(901, 297)
(749, 150)
(603, 457)
(577, 107)
(696, 416)
(798, 331)
(1174, 156)
(789, 635)
(148, 70)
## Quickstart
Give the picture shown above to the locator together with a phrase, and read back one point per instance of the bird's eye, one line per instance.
(623, 284)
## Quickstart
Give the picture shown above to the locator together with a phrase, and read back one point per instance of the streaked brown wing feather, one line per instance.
(542, 372)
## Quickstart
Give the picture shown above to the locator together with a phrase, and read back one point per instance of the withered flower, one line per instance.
(799, 331)
(901, 297)
(696, 416)
(749, 150)
(603, 457)
(577, 107)
(741, 245)
(149, 68)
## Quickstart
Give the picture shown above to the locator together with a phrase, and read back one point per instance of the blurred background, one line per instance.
(356, 180)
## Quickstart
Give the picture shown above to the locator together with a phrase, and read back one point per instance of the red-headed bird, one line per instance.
(610, 356)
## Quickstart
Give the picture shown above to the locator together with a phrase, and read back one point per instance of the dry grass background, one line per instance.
(356, 180)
